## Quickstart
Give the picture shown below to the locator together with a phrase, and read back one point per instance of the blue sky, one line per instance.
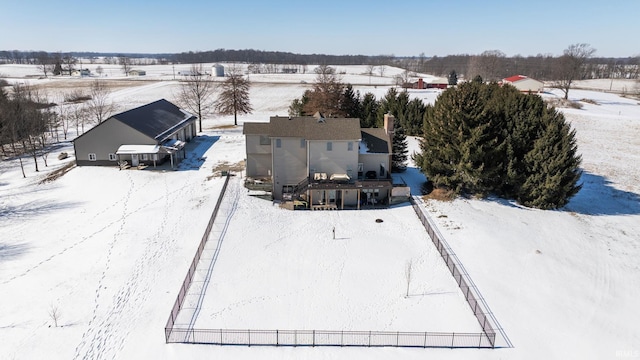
(401, 28)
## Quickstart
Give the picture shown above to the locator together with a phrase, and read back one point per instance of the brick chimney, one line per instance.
(388, 124)
(420, 83)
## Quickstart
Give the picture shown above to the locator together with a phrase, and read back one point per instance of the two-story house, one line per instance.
(330, 163)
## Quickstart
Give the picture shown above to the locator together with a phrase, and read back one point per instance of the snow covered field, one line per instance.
(109, 249)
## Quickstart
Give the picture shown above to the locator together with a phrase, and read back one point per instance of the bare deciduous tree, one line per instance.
(234, 95)
(488, 65)
(326, 93)
(100, 105)
(196, 93)
(55, 314)
(407, 275)
(569, 66)
(125, 64)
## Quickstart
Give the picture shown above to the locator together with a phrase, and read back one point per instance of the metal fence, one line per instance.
(192, 269)
(486, 339)
(478, 305)
(329, 338)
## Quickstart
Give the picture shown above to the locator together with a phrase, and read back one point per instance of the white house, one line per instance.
(524, 84)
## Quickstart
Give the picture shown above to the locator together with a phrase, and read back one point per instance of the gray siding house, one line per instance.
(147, 135)
(327, 163)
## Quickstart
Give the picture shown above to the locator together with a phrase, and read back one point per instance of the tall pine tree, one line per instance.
(400, 146)
(482, 139)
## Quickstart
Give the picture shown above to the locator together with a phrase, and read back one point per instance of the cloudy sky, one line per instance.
(401, 28)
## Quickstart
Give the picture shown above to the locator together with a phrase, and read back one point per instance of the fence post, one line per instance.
(453, 336)
(425, 339)
(314, 339)
(397, 338)
(220, 336)
(342, 338)
(295, 337)
(369, 338)
(249, 333)
(277, 338)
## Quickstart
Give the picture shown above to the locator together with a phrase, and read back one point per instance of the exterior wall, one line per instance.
(105, 139)
(371, 162)
(289, 163)
(258, 157)
(337, 161)
(529, 85)
(259, 165)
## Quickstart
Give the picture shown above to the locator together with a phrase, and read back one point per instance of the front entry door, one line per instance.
(134, 160)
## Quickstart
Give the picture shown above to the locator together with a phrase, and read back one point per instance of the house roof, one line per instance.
(307, 127)
(256, 128)
(157, 120)
(514, 78)
(376, 141)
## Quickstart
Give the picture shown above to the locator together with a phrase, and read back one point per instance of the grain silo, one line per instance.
(218, 70)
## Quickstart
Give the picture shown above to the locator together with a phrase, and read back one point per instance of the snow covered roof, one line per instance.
(139, 149)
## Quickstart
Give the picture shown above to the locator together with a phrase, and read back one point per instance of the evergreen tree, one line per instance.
(453, 78)
(369, 111)
(462, 140)
(400, 150)
(297, 105)
(483, 138)
(414, 114)
(350, 105)
(552, 165)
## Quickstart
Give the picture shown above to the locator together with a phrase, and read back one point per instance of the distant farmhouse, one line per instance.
(80, 72)
(321, 163)
(524, 84)
(137, 73)
(431, 83)
(147, 135)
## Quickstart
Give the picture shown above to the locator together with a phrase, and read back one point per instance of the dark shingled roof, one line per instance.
(308, 128)
(256, 128)
(156, 120)
(377, 140)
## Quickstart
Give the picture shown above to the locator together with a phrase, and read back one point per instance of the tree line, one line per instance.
(490, 64)
(32, 125)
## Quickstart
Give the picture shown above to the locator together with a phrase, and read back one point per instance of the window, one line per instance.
(144, 157)
(278, 143)
(93, 157)
(303, 143)
(265, 140)
(350, 146)
(113, 157)
(329, 146)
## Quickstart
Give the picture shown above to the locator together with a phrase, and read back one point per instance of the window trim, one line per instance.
(93, 157)
(113, 157)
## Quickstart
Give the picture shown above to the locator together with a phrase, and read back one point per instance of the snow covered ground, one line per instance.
(109, 249)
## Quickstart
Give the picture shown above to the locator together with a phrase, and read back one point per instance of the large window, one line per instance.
(350, 146)
(144, 157)
(92, 157)
(329, 146)
(278, 143)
